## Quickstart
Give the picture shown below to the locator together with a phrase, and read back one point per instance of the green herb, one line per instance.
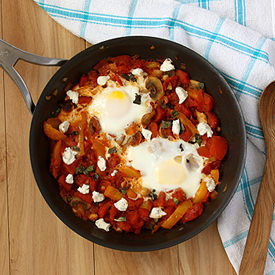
(96, 176)
(170, 105)
(88, 170)
(137, 99)
(112, 150)
(175, 114)
(79, 170)
(198, 139)
(201, 85)
(181, 147)
(153, 195)
(124, 190)
(176, 201)
(165, 124)
(120, 219)
(182, 128)
(163, 105)
(129, 77)
(76, 148)
(75, 133)
(57, 111)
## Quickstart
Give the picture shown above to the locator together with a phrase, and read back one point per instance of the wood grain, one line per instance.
(4, 236)
(259, 231)
(39, 242)
(204, 255)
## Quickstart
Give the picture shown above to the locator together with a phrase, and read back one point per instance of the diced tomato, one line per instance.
(103, 184)
(143, 213)
(170, 202)
(169, 211)
(69, 169)
(212, 120)
(124, 226)
(173, 98)
(160, 201)
(84, 100)
(153, 127)
(204, 151)
(113, 160)
(134, 204)
(173, 80)
(218, 147)
(132, 217)
(117, 79)
(83, 80)
(85, 197)
(92, 185)
(123, 63)
(159, 114)
(183, 78)
(208, 103)
(187, 134)
(113, 212)
(197, 96)
(210, 166)
(103, 208)
(183, 109)
(82, 179)
(179, 194)
(193, 212)
(103, 67)
(63, 184)
(92, 76)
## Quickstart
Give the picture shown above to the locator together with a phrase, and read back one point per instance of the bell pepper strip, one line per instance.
(52, 133)
(177, 214)
(185, 121)
(56, 159)
(193, 212)
(129, 172)
(112, 193)
(99, 147)
(131, 194)
(218, 147)
(148, 204)
(215, 175)
(201, 194)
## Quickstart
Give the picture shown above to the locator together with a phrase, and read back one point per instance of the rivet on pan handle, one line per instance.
(9, 55)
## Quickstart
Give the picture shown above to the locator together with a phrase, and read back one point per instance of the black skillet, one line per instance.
(226, 107)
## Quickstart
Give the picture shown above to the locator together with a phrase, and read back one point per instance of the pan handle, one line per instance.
(9, 55)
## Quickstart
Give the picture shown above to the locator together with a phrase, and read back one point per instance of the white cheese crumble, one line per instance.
(84, 189)
(137, 72)
(157, 213)
(114, 173)
(97, 197)
(204, 128)
(64, 126)
(101, 224)
(69, 156)
(210, 184)
(73, 96)
(181, 93)
(102, 80)
(146, 133)
(167, 65)
(101, 163)
(121, 205)
(70, 179)
(176, 127)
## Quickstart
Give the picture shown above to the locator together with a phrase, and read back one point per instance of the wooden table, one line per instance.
(33, 240)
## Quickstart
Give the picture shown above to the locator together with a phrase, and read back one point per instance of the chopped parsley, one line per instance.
(120, 219)
(129, 77)
(112, 150)
(182, 128)
(176, 201)
(175, 114)
(163, 105)
(137, 99)
(75, 133)
(88, 170)
(82, 170)
(153, 196)
(201, 85)
(170, 105)
(165, 124)
(96, 176)
(124, 190)
(197, 140)
(76, 148)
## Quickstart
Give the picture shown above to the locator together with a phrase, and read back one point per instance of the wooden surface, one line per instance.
(33, 240)
(260, 227)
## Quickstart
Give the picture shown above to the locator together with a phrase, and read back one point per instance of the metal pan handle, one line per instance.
(9, 55)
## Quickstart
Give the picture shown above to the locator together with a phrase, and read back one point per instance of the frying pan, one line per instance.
(226, 107)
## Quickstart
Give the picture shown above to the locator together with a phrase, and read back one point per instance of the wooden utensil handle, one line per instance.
(254, 257)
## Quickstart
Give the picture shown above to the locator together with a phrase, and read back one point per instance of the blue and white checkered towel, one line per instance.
(245, 57)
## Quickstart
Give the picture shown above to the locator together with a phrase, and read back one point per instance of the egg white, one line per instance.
(115, 109)
(165, 165)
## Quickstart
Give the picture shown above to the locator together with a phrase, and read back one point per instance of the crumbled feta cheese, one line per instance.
(64, 126)
(176, 127)
(210, 184)
(113, 173)
(137, 72)
(69, 156)
(157, 213)
(70, 179)
(204, 128)
(84, 189)
(101, 224)
(181, 93)
(102, 80)
(97, 197)
(121, 205)
(167, 65)
(101, 163)
(73, 96)
(146, 133)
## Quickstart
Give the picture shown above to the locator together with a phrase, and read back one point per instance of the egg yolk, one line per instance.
(117, 104)
(171, 173)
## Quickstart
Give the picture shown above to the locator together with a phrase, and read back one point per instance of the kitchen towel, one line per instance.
(236, 36)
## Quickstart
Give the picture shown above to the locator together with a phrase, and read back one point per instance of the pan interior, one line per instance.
(226, 108)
